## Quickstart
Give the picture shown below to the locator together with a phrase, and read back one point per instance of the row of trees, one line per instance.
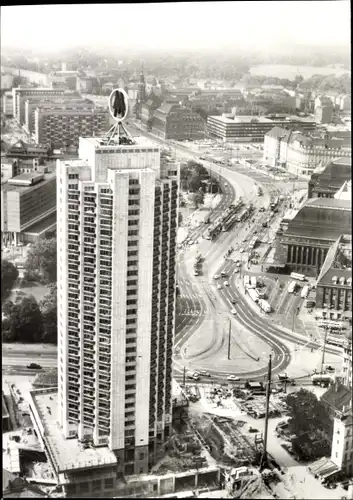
(193, 176)
(322, 83)
(28, 321)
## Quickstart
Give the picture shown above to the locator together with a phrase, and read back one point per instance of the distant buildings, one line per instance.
(33, 102)
(67, 79)
(325, 183)
(6, 81)
(172, 121)
(301, 153)
(28, 207)
(85, 84)
(7, 104)
(21, 94)
(324, 114)
(252, 129)
(63, 124)
(313, 230)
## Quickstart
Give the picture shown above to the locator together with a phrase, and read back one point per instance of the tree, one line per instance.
(308, 414)
(24, 323)
(180, 219)
(49, 310)
(9, 275)
(197, 198)
(41, 260)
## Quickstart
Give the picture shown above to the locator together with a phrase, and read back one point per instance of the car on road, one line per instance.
(224, 274)
(236, 270)
(190, 242)
(241, 250)
(34, 366)
(238, 264)
(216, 277)
(219, 287)
(233, 378)
(233, 301)
(226, 283)
(225, 184)
(233, 311)
(204, 373)
(207, 237)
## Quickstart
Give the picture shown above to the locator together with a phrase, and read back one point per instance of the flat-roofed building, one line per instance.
(61, 125)
(27, 151)
(326, 181)
(302, 153)
(310, 234)
(334, 283)
(252, 129)
(21, 94)
(27, 200)
(33, 102)
(173, 121)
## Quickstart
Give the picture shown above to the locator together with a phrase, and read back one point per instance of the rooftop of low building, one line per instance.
(68, 454)
(46, 177)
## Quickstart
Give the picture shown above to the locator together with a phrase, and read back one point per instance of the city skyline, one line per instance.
(226, 25)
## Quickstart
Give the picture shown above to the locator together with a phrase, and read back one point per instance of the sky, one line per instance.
(184, 25)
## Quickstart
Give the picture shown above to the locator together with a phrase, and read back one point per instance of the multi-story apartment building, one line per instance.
(21, 94)
(342, 441)
(252, 129)
(7, 104)
(28, 207)
(32, 103)
(117, 221)
(302, 153)
(62, 124)
(172, 121)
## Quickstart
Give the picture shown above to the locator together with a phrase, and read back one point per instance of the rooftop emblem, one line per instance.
(118, 105)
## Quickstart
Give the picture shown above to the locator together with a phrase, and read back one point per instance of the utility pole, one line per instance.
(268, 393)
(184, 376)
(229, 334)
(323, 350)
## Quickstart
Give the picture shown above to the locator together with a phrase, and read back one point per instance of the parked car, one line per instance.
(219, 286)
(216, 276)
(233, 311)
(226, 283)
(34, 366)
(233, 378)
(204, 373)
